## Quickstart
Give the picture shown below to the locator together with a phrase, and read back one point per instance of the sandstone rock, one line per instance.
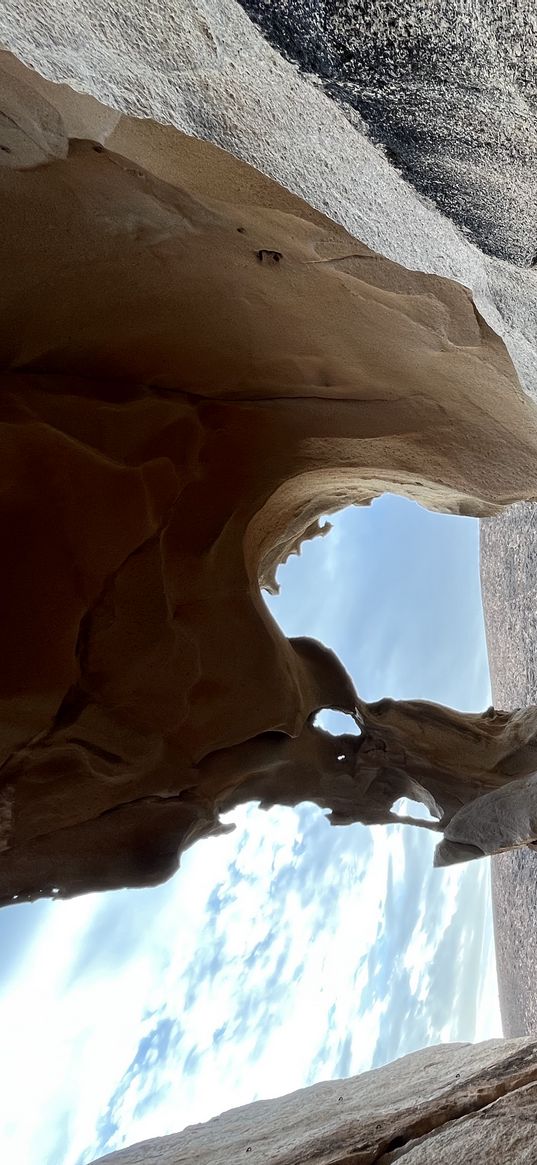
(196, 364)
(474, 1102)
(211, 73)
(448, 90)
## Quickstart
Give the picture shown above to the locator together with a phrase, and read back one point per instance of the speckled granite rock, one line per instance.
(509, 585)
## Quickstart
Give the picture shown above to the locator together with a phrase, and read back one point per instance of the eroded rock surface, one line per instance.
(196, 364)
(509, 584)
(452, 1102)
(211, 72)
(447, 89)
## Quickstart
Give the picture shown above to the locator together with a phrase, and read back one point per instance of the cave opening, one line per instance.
(394, 591)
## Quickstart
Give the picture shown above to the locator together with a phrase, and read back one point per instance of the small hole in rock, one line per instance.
(336, 723)
(266, 256)
(5, 149)
(404, 807)
(99, 149)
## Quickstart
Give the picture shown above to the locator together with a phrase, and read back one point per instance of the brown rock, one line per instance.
(175, 415)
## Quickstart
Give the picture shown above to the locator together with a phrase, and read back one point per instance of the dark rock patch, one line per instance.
(449, 92)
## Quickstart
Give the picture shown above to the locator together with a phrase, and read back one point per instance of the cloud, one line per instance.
(142, 1087)
(118, 928)
(454, 934)
(59, 1146)
(405, 1026)
(344, 1060)
(397, 596)
(19, 929)
(456, 969)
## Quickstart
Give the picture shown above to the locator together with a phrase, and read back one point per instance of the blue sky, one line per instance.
(287, 951)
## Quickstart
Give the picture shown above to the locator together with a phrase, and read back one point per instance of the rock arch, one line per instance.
(195, 364)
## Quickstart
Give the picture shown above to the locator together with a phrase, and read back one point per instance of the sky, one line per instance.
(287, 951)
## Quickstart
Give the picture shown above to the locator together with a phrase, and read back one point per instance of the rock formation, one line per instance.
(196, 365)
(464, 80)
(225, 312)
(447, 90)
(450, 1103)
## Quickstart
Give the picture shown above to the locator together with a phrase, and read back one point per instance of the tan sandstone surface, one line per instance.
(195, 366)
(445, 1104)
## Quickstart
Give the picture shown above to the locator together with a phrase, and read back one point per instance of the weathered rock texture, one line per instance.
(196, 365)
(448, 89)
(509, 585)
(209, 71)
(455, 1102)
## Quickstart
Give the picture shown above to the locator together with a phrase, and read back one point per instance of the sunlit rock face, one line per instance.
(471, 1102)
(448, 91)
(196, 364)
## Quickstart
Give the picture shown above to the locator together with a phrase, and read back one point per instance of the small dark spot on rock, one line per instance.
(265, 256)
(99, 149)
(397, 1143)
(457, 1075)
(249, 1149)
(5, 149)
(241, 230)
(340, 1098)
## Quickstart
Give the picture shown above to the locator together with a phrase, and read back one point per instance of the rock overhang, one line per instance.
(196, 364)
